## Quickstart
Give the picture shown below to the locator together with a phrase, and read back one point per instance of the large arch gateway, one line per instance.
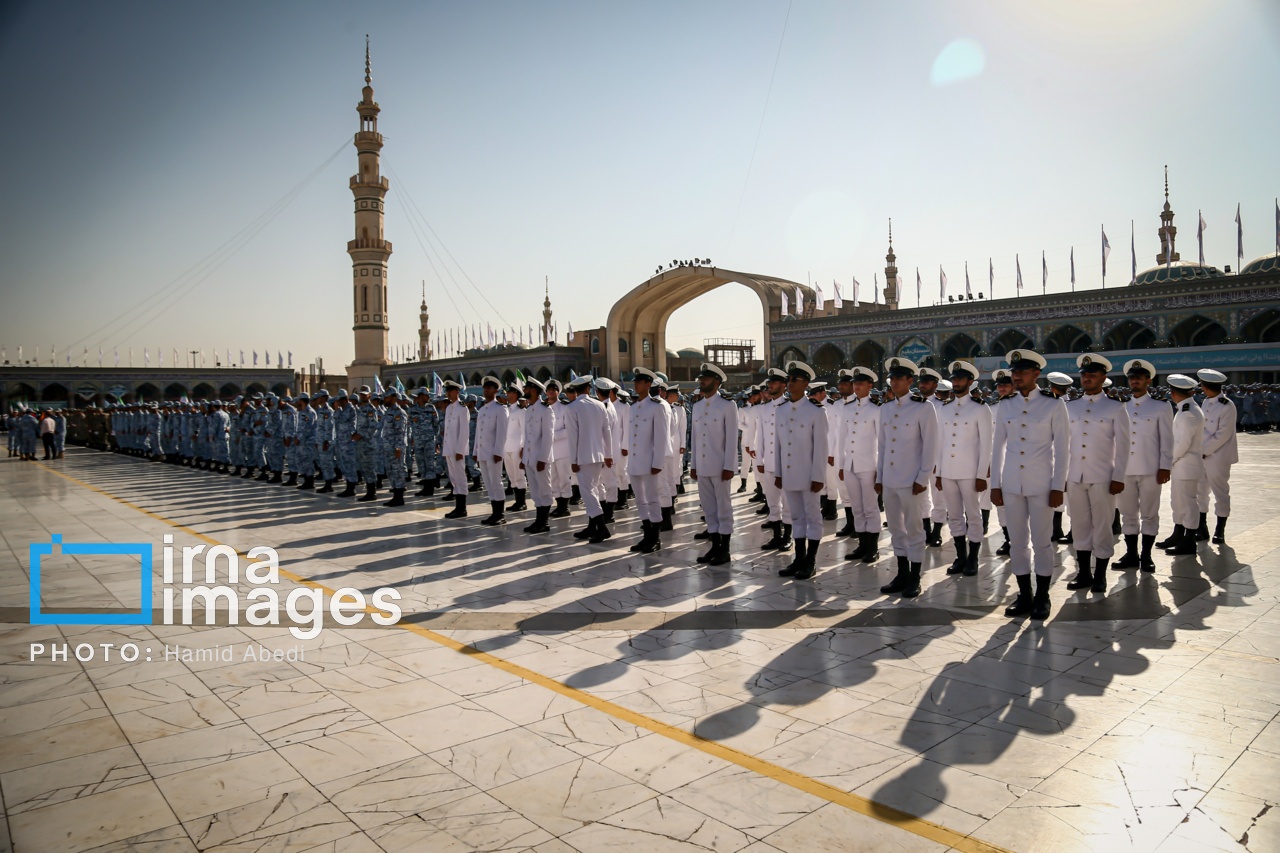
(637, 329)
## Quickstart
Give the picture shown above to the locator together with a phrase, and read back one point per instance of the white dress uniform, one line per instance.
(679, 421)
(746, 423)
(800, 459)
(857, 455)
(1099, 456)
(832, 490)
(590, 443)
(1220, 453)
(766, 433)
(561, 470)
(714, 451)
(1031, 438)
(456, 440)
(515, 441)
(539, 446)
(933, 505)
(964, 455)
(491, 442)
(648, 447)
(622, 411)
(609, 473)
(1150, 452)
(908, 438)
(1188, 465)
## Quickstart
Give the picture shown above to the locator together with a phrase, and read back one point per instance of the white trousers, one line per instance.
(806, 513)
(645, 487)
(457, 469)
(539, 484)
(778, 510)
(859, 492)
(717, 506)
(964, 515)
(1030, 521)
(514, 472)
(609, 481)
(937, 505)
(1093, 508)
(833, 490)
(1186, 507)
(745, 465)
(491, 476)
(668, 479)
(1217, 479)
(591, 488)
(903, 512)
(1139, 505)
(561, 478)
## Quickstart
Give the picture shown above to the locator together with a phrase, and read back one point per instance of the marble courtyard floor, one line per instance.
(550, 695)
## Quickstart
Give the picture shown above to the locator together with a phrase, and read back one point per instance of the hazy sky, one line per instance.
(589, 142)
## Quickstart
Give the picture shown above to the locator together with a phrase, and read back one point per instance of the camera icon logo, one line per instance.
(142, 550)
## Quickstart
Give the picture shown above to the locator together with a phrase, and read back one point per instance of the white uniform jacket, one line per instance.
(858, 443)
(457, 430)
(491, 431)
(800, 444)
(715, 436)
(908, 442)
(515, 428)
(1030, 441)
(1099, 439)
(649, 436)
(588, 431)
(1150, 436)
(964, 439)
(539, 431)
(1220, 430)
(1188, 441)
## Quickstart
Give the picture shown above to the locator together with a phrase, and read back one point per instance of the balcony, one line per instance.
(381, 183)
(369, 243)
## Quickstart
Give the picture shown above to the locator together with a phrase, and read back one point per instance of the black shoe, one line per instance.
(1040, 604)
(668, 514)
(986, 520)
(721, 557)
(293, 479)
(809, 568)
(607, 517)
(459, 507)
(935, 535)
(519, 504)
(776, 539)
(588, 531)
(758, 497)
(602, 531)
(1130, 558)
(872, 554)
(1057, 534)
(575, 496)
(264, 477)
(1185, 546)
(1202, 532)
(1084, 577)
(540, 521)
(496, 516)
(796, 564)
(1069, 538)
(971, 561)
(1220, 532)
(1099, 577)
(476, 485)
(370, 493)
(742, 488)
(913, 581)
(859, 552)
(328, 487)
(644, 527)
(1174, 538)
(397, 498)
(847, 530)
(784, 541)
(1003, 550)
(830, 513)
(962, 556)
(715, 548)
(562, 509)
(1115, 524)
(705, 534)
(901, 580)
(349, 491)
(1022, 604)
(1144, 561)
(652, 541)
(425, 492)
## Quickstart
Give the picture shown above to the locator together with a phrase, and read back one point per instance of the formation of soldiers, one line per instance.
(923, 452)
(23, 430)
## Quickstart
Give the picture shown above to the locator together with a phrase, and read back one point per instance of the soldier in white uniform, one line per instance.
(1187, 465)
(516, 410)
(456, 446)
(672, 473)
(538, 453)
(858, 446)
(744, 439)
(590, 452)
(800, 465)
(1150, 461)
(751, 439)
(933, 508)
(492, 420)
(830, 499)
(835, 424)
(1099, 459)
(618, 399)
(766, 424)
(1030, 442)
(908, 437)
(1220, 453)
(1003, 381)
(1060, 385)
(604, 389)
(713, 459)
(561, 466)
(964, 463)
(648, 447)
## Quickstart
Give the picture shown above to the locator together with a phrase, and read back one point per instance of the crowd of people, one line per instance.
(919, 454)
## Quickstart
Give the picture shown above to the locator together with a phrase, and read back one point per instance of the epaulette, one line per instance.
(876, 400)
(948, 402)
(1222, 398)
(816, 402)
(918, 398)
(1111, 393)
(1048, 393)
(1186, 407)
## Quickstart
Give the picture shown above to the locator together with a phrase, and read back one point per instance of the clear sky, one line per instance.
(589, 142)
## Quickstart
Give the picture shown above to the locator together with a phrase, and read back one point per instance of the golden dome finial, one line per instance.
(368, 79)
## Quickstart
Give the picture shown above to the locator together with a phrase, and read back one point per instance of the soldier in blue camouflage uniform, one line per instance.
(289, 438)
(364, 433)
(273, 440)
(395, 432)
(379, 455)
(344, 451)
(472, 467)
(424, 428)
(322, 438)
(219, 425)
(305, 441)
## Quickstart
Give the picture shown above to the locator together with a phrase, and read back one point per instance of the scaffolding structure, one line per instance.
(729, 352)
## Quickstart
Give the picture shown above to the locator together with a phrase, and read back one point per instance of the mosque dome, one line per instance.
(1178, 271)
(690, 352)
(1266, 263)
(671, 354)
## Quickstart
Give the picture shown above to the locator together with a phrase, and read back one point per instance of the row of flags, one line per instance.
(283, 360)
(449, 343)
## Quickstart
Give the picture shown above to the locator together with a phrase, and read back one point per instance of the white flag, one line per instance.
(819, 301)
(942, 284)
(115, 352)
(99, 356)
(1239, 236)
(1073, 268)
(146, 356)
(291, 358)
(571, 331)
(919, 287)
(838, 301)
(968, 290)
(255, 358)
(1044, 273)
(1200, 237)
(1167, 246)
(991, 278)
(160, 354)
(786, 306)
(1106, 253)
(1017, 261)
(799, 302)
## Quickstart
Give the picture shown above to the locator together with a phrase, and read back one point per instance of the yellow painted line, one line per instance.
(863, 806)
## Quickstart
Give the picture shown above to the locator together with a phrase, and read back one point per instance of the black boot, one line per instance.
(459, 507)
(602, 531)
(562, 508)
(349, 491)
(1145, 561)
(971, 561)
(794, 565)
(1040, 604)
(623, 503)
(519, 504)
(540, 520)
(1185, 545)
(496, 515)
(426, 491)
(704, 534)
(913, 581)
(607, 506)
(810, 566)
(1115, 524)
(328, 487)
(847, 530)
(668, 512)
(1022, 604)
(644, 527)
(743, 487)
(1220, 532)
(588, 531)
(872, 554)
(715, 548)
(776, 539)
(986, 520)
(370, 493)
(1174, 538)
(293, 479)
(721, 557)
(397, 498)
(652, 541)
(901, 580)
(475, 486)
(962, 556)
(1084, 577)
(784, 541)
(763, 509)
(1130, 558)
(277, 478)
(1057, 535)
(830, 513)
(1202, 532)
(308, 482)
(758, 497)
(859, 552)
(575, 497)
(1003, 550)
(264, 476)
(235, 473)
(1099, 576)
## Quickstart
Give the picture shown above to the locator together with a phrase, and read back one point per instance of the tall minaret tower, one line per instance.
(1167, 231)
(546, 313)
(369, 250)
(424, 328)
(891, 275)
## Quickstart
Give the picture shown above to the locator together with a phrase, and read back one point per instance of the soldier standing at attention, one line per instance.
(590, 443)
(604, 388)
(800, 460)
(1150, 461)
(932, 507)
(322, 440)
(1099, 459)
(1031, 438)
(394, 430)
(305, 441)
(456, 446)
(491, 439)
(1187, 466)
(344, 425)
(858, 454)
(536, 453)
(648, 447)
(779, 520)
(714, 458)
(1220, 454)
(561, 467)
(618, 397)
(964, 464)
(511, 448)
(362, 433)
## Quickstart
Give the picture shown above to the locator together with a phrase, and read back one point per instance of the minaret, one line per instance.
(369, 250)
(1167, 231)
(891, 275)
(546, 313)
(424, 328)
